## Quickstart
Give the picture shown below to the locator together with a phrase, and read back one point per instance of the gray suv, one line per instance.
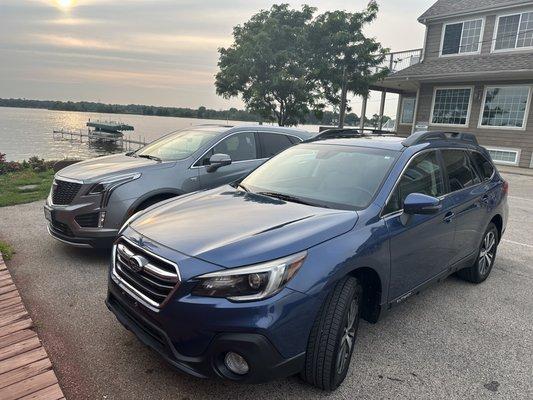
(90, 201)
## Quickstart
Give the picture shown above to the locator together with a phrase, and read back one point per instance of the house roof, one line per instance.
(438, 67)
(448, 8)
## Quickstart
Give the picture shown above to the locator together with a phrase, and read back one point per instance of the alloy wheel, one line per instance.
(348, 338)
(486, 253)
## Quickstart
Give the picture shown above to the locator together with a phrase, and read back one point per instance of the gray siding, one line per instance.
(434, 36)
(515, 139)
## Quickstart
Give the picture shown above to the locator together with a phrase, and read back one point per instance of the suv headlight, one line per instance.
(111, 183)
(254, 282)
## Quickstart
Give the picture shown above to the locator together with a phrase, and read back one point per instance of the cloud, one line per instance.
(68, 41)
(73, 21)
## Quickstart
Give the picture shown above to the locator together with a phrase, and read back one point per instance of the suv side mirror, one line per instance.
(418, 203)
(218, 160)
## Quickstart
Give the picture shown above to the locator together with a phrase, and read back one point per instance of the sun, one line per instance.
(65, 4)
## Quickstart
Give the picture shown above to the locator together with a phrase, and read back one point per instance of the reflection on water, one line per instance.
(25, 132)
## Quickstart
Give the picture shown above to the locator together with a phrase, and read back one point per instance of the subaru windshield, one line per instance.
(179, 145)
(324, 175)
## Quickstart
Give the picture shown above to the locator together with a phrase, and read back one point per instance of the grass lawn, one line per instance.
(11, 193)
(6, 251)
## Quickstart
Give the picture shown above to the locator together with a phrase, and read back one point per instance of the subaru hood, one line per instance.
(104, 167)
(230, 228)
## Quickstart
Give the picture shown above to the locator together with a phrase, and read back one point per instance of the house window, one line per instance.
(514, 32)
(505, 106)
(451, 106)
(462, 37)
(504, 156)
(408, 110)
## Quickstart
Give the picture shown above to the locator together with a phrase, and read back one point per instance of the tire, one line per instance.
(329, 350)
(481, 268)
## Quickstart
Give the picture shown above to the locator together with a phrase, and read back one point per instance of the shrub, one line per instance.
(37, 164)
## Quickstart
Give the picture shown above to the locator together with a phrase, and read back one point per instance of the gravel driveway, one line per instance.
(454, 341)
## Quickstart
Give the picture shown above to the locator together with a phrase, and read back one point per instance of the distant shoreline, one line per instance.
(232, 114)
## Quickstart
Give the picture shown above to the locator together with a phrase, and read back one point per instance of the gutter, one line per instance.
(452, 75)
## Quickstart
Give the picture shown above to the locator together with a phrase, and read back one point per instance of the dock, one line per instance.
(25, 369)
(101, 132)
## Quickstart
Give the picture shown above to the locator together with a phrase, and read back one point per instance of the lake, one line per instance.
(26, 132)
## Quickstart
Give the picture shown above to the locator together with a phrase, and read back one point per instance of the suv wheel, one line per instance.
(480, 271)
(332, 338)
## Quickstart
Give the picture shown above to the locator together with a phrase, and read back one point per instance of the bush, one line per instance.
(37, 164)
(6, 251)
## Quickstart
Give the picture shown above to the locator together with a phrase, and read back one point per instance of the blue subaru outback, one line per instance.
(269, 276)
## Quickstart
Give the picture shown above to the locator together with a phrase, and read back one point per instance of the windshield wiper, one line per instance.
(287, 197)
(151, 157)
(240, 185)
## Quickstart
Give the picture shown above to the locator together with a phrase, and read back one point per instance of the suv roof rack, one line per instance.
(426, 136)
(348, 133)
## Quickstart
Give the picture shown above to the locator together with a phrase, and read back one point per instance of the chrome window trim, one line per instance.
(140, 297)
(240, 161)
(439, 197)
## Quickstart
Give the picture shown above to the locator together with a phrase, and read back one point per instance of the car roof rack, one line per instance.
(427, 136)
(349, 133)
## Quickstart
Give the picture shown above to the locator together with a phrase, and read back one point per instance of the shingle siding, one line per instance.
(516, 139)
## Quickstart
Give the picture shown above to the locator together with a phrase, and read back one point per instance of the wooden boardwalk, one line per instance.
(25, 369)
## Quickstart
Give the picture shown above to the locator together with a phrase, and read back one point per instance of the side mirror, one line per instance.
(418, 203)
(218, 160)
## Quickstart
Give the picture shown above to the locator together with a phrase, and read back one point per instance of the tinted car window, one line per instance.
(423, 175)
(483, 165)
(273, 143)
(461, 172)
(239, 147)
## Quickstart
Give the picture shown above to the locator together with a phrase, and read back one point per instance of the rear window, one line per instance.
(273, 143)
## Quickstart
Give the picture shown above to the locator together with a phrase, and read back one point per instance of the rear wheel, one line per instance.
(332, 338)
(481, 268)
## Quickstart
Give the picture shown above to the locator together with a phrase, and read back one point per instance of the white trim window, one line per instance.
(504, 156)
(505, 107)
(408, 110)
(461, 37)
(514, 32)
(451, 106)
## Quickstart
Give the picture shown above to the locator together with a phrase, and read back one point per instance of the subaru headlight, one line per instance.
(108, 185)
(253, 282)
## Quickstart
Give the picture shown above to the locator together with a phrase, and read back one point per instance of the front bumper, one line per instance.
(62, 226)
(265, 361)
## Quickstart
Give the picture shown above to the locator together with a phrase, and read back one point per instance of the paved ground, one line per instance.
(454, 341)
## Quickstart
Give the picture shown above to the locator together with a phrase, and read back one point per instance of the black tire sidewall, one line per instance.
(478, 276)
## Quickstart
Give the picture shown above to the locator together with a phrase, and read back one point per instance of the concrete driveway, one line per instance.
(455, 340)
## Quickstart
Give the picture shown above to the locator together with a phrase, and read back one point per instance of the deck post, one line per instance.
(363, 113)
(382, 108)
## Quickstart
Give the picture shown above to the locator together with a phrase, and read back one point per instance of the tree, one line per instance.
(265, 65)
(374, 121)
(342, 59)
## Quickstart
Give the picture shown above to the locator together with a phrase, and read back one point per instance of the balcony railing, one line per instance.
(402, 59)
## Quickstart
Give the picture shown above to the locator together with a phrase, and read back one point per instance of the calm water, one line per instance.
(25, 132)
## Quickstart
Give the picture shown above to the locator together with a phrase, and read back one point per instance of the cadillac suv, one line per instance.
(269, 276)
(89, 201)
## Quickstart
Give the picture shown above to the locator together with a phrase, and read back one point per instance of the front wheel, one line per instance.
(332, 339)
(481, 268)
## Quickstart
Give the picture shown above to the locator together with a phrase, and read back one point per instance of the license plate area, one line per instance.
(49, 214)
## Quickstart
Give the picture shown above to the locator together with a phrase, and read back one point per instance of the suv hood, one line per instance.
(231, 228)
(103, 167)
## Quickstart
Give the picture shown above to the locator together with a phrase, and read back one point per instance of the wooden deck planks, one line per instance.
(25, 369)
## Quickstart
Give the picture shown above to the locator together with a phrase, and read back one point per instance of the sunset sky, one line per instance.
(160, 52)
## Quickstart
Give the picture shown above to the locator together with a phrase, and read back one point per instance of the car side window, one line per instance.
(240, 147)
(484, 166)
(423, 175)
(273, 143)
(460, 170)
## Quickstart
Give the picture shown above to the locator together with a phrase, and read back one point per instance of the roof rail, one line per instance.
(347, 133)
(426, 136)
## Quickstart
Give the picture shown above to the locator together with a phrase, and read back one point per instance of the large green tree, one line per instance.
(342, 59)
(266, 65)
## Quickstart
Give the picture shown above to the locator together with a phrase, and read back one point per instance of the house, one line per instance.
(474, 74)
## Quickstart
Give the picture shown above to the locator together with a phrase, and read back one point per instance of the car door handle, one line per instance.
(485, 199)
(449, 217)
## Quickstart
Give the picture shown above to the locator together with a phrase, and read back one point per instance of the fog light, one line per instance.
(236, 363)
(101, 220)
